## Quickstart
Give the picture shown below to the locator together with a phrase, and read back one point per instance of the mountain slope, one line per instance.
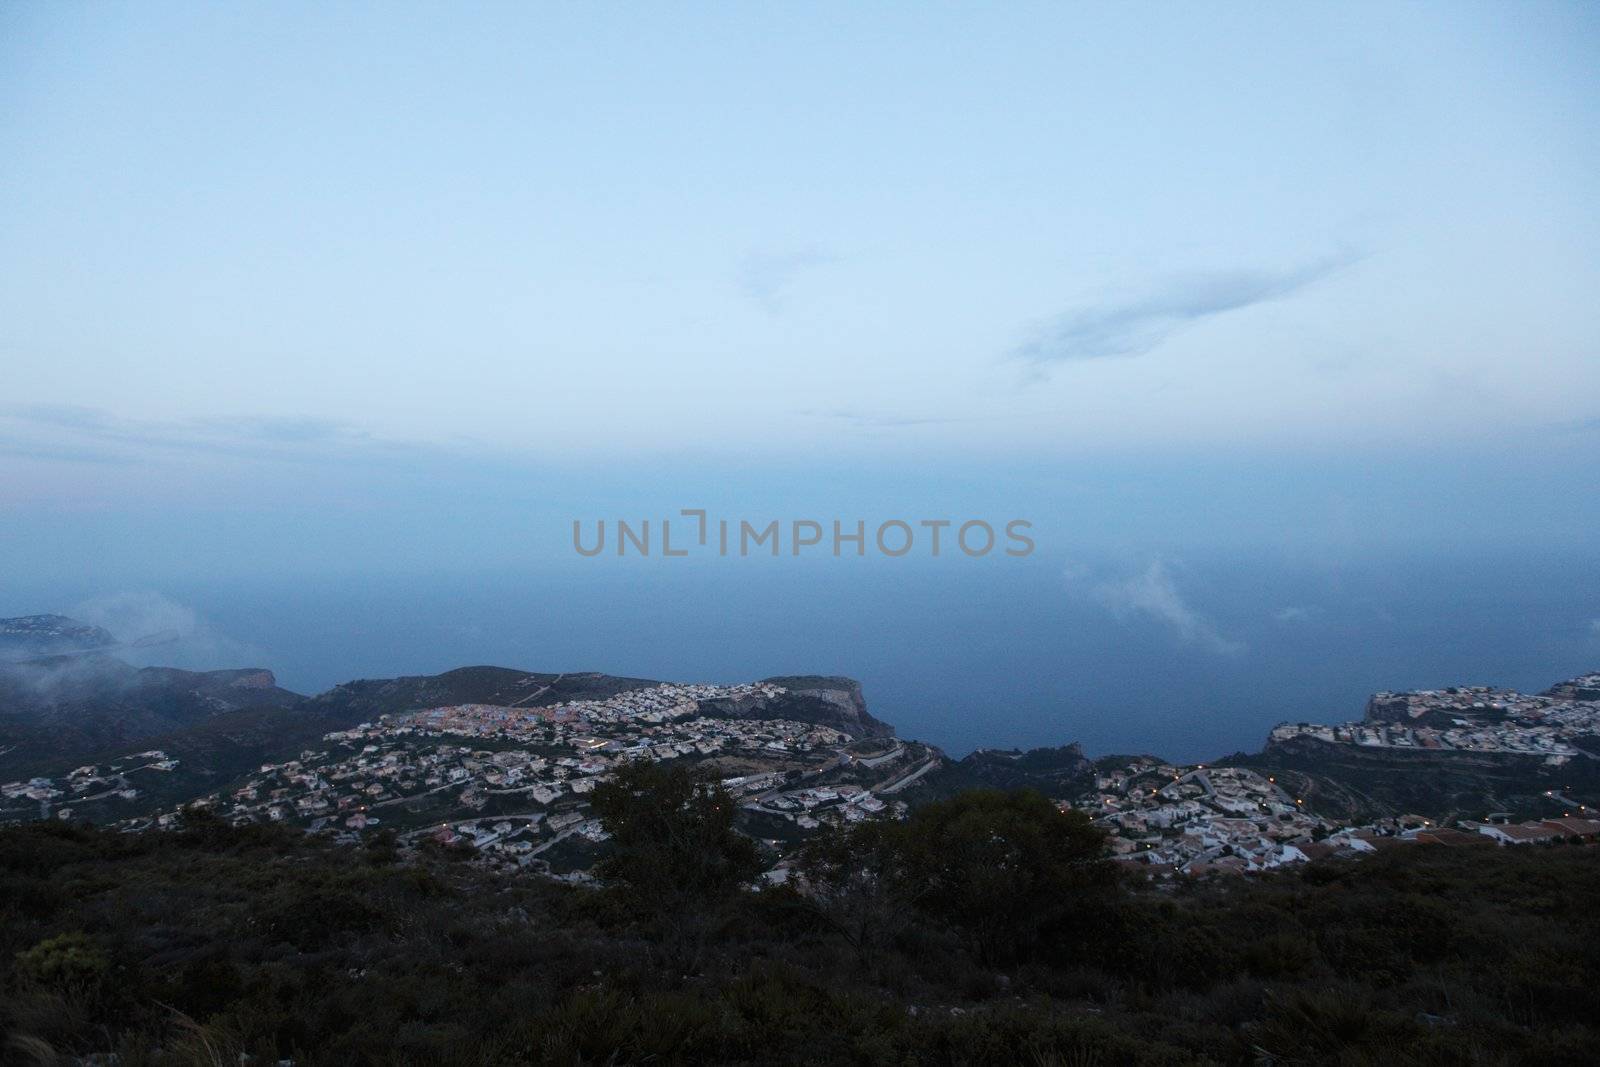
(62, 707)
(370, 697)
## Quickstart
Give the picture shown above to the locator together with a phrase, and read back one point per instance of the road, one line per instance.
(542, 691)
(556, 840)
(411, 835)
(839, 757)
(896, 786)
(878, 761)
(418, 796)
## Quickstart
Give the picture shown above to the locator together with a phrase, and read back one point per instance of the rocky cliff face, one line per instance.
(824, 700)
(253, 679)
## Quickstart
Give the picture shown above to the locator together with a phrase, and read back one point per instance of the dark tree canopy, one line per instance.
(1008, 868)
(673, 833)
(222, 944)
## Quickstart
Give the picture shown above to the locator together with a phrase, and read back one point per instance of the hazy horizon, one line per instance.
(1189, 660)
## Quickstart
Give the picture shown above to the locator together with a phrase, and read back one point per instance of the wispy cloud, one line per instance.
(766, 277)
(29, 447)
(1134, 325)
(1294, 613)
(292, 428)
(92, 435)
(150, 628)
(178, 634)
(867, 420)
(1152, 595)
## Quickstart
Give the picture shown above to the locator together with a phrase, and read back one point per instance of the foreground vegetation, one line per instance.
(986, 929)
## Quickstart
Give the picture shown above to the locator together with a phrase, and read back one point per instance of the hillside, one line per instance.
(61, 708)
(369, 698)
(1456, 753)
(215, 728)
(258, 945)
(1358, 784)
(1062, 772)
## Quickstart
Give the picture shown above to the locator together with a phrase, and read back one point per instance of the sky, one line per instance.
(598, 230)
(295, 290)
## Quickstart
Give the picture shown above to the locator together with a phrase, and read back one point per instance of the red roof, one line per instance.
(1527, 832)
(1446, 836)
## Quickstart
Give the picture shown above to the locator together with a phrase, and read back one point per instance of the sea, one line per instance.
(1190, 658)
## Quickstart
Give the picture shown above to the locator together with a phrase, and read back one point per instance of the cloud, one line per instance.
(1594, 627)
(130, 616)
(1135, 325)
(1583, 425)
(1294, 614)
(1076, 574)
(92, 435)
(765, 277)
(150, 628)
(1152, 595)
(161, 630)
(290, 428)
(23, 446)
(875, 421)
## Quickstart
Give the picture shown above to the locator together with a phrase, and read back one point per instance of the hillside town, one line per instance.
(512, 782)
(88, 783)
(1197, 819)
(1467, 718)
(1167, 820)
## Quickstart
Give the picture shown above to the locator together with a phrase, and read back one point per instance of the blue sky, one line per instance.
(309, 286)
(593, 231)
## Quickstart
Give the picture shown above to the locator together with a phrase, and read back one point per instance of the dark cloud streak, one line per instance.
(90, 435)
(1137, 325)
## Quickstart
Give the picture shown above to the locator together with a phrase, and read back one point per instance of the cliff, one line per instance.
(825, 701)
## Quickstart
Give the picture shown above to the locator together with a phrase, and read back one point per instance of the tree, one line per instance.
(673, 833)
(856, 877)
(1010, 869)
(676, 854)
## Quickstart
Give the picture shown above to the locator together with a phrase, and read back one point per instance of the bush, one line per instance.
(70, 959)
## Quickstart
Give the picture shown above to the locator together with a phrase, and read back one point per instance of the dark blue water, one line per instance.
(958, 652)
